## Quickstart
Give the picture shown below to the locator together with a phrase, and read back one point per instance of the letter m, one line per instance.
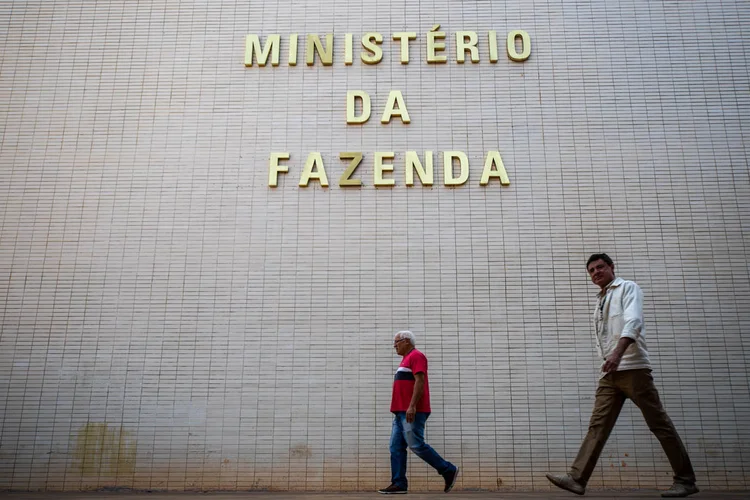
(252, 48)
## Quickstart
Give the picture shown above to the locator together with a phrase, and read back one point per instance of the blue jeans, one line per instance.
(411, 435)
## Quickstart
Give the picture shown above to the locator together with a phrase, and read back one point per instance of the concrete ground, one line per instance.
(456, 495)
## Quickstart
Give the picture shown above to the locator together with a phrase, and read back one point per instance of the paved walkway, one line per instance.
(456, 495)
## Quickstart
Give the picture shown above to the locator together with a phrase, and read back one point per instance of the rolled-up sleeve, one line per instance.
(632, 313)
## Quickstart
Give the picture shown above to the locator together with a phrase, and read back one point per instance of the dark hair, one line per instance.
(597, 256)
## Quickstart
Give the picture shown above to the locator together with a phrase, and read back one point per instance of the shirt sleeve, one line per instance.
(632, 311)
(418, 363)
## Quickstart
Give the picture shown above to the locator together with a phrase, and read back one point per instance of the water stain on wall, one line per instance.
(102, 448)
(300, 451)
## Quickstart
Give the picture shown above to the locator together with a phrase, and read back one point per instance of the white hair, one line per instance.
(406, 334)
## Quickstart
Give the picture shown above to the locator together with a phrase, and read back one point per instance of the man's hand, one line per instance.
(613, 361)
(411, 413)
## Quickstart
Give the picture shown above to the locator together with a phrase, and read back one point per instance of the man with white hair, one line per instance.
(410, 405)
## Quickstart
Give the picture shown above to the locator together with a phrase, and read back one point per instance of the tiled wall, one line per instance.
(171, 322)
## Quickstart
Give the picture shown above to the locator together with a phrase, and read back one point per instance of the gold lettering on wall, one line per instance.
(371, 42)
(404, 37)
(315, 46)
(359, 105)
(395, 99)
(463, 164)
(252, 48)
(494, 160)
(518, 47)
(274, 168)
(293, 50)
(412, 163)
(381, 167)
(492, 40)
(348, 42)
(434, 45)
(466, 40)
(345, 179)
(314, 170)
(513, 54)
(351, 106)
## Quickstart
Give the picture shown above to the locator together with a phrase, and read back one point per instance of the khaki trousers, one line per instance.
(614, 388)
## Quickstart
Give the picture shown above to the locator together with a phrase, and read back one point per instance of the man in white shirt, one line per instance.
(625, 374)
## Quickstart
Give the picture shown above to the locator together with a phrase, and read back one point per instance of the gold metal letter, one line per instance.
(492, 36)
(493, 158)
(433, 46)
(348, 49)
(462, 45)
(325, 53)
(412, 163)
(394, 98)
(346, 180)
(380, 168)
(314, 160)
(463, 161)
(293, 49)
(525, 44)
(252, 46)
(371, 42)
(351, 106)
(405, 37)
(274, 168)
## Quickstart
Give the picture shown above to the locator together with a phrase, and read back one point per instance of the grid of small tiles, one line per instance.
(169, 321)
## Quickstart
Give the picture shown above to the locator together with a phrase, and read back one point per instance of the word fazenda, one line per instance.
(517, 47)
(314, 169)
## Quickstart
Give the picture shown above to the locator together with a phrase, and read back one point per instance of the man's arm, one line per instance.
(632, 312)
(416, 396)
(613, 361)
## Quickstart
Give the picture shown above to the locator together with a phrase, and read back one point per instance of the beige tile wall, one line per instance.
(171, 322)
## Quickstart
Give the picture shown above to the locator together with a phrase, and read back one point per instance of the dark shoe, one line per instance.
(392, 490)
(567, 482)
(450, 479)
(679, 490)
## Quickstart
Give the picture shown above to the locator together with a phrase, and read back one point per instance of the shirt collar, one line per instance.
(615, 283)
